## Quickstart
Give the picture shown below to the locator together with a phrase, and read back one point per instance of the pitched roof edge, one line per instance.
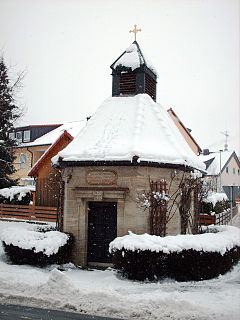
(126, 163)
(233, 155)
(34, 169)
(185, 129)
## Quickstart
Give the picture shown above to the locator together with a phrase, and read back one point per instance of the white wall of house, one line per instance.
(231, 174)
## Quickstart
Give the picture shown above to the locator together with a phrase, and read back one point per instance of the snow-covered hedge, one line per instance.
(36, 247)
(16, 195)
(182, 257)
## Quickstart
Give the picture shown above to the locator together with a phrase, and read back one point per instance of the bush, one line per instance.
(16, 196)
(20, 255)
(183, 258)
(215, 203)
(188, 265)
(221, 206)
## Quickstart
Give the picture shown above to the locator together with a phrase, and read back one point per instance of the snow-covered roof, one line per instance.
(213, 161)
(124, 127)
(133, 58)
(49, 138)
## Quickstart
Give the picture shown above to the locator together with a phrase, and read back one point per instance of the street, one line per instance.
(18, 312)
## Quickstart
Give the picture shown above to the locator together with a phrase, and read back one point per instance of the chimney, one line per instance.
(206, 152)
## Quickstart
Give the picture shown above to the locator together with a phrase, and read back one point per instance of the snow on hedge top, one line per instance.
(18, 191)
(47, 242)
(133, 58)
(124, 127)
(215, 197)
(227, 238)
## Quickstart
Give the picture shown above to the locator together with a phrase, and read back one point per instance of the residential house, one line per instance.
(27, 152)
(223, 169)
(36, 167)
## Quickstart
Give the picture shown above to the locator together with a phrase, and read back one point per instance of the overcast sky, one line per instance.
(67, 46)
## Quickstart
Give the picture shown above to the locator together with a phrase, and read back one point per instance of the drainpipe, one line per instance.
(31, 157)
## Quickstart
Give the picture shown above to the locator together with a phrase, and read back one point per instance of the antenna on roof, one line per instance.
(226, 134)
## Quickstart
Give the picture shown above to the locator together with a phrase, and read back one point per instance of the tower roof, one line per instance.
(127, 128)
(132, 58)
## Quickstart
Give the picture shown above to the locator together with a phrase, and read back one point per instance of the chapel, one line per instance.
(128, 143)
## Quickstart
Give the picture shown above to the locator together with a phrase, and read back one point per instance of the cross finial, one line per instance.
(135, 30)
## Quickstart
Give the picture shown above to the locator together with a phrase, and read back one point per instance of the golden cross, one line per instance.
(135, 30)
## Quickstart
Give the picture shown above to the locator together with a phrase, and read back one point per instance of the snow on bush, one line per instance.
(183, 257)
(16, 195)
(227, 238)
(214, 197)
(47, 242)
(18, 191)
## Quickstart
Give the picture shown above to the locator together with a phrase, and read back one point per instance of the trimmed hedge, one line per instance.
(18, 255)
(186, 265)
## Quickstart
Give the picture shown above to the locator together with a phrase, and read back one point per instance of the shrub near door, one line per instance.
(182, 257)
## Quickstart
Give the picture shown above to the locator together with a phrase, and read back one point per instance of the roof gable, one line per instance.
(49, 153)
(212, 161)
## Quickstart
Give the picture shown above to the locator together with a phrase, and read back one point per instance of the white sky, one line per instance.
(67, 46)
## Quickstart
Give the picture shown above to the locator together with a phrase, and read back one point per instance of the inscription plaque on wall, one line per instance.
(101, 177)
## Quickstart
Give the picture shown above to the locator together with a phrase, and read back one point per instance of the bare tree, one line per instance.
(181, 196)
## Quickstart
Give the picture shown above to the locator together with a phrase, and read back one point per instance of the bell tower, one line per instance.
(133, 74)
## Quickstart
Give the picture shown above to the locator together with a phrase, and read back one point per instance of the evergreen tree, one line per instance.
(9, 113)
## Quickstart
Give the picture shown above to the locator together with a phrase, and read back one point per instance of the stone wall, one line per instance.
(118, 184)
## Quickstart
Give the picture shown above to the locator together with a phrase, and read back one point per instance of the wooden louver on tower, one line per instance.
(128, 83)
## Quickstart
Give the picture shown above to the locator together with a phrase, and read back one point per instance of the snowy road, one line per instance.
(13, 312)
(105, 293)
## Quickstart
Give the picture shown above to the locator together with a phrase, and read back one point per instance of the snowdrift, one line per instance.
(182, 257)
(36, 247)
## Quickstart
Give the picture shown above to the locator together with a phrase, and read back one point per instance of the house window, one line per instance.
(239, 172)
(234, 171)
(26, 136)
(11, 135)
(226, 169)
(19, 136)
(23, 161)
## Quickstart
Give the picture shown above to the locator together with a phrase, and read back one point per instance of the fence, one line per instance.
(206, 219)
(218, 218)
(35, 213)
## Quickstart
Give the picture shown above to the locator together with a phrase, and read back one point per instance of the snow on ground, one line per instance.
(106, 293)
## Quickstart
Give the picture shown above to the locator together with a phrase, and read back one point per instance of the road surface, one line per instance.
(18, 312)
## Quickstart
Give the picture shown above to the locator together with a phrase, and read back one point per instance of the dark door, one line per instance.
(102, 229)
